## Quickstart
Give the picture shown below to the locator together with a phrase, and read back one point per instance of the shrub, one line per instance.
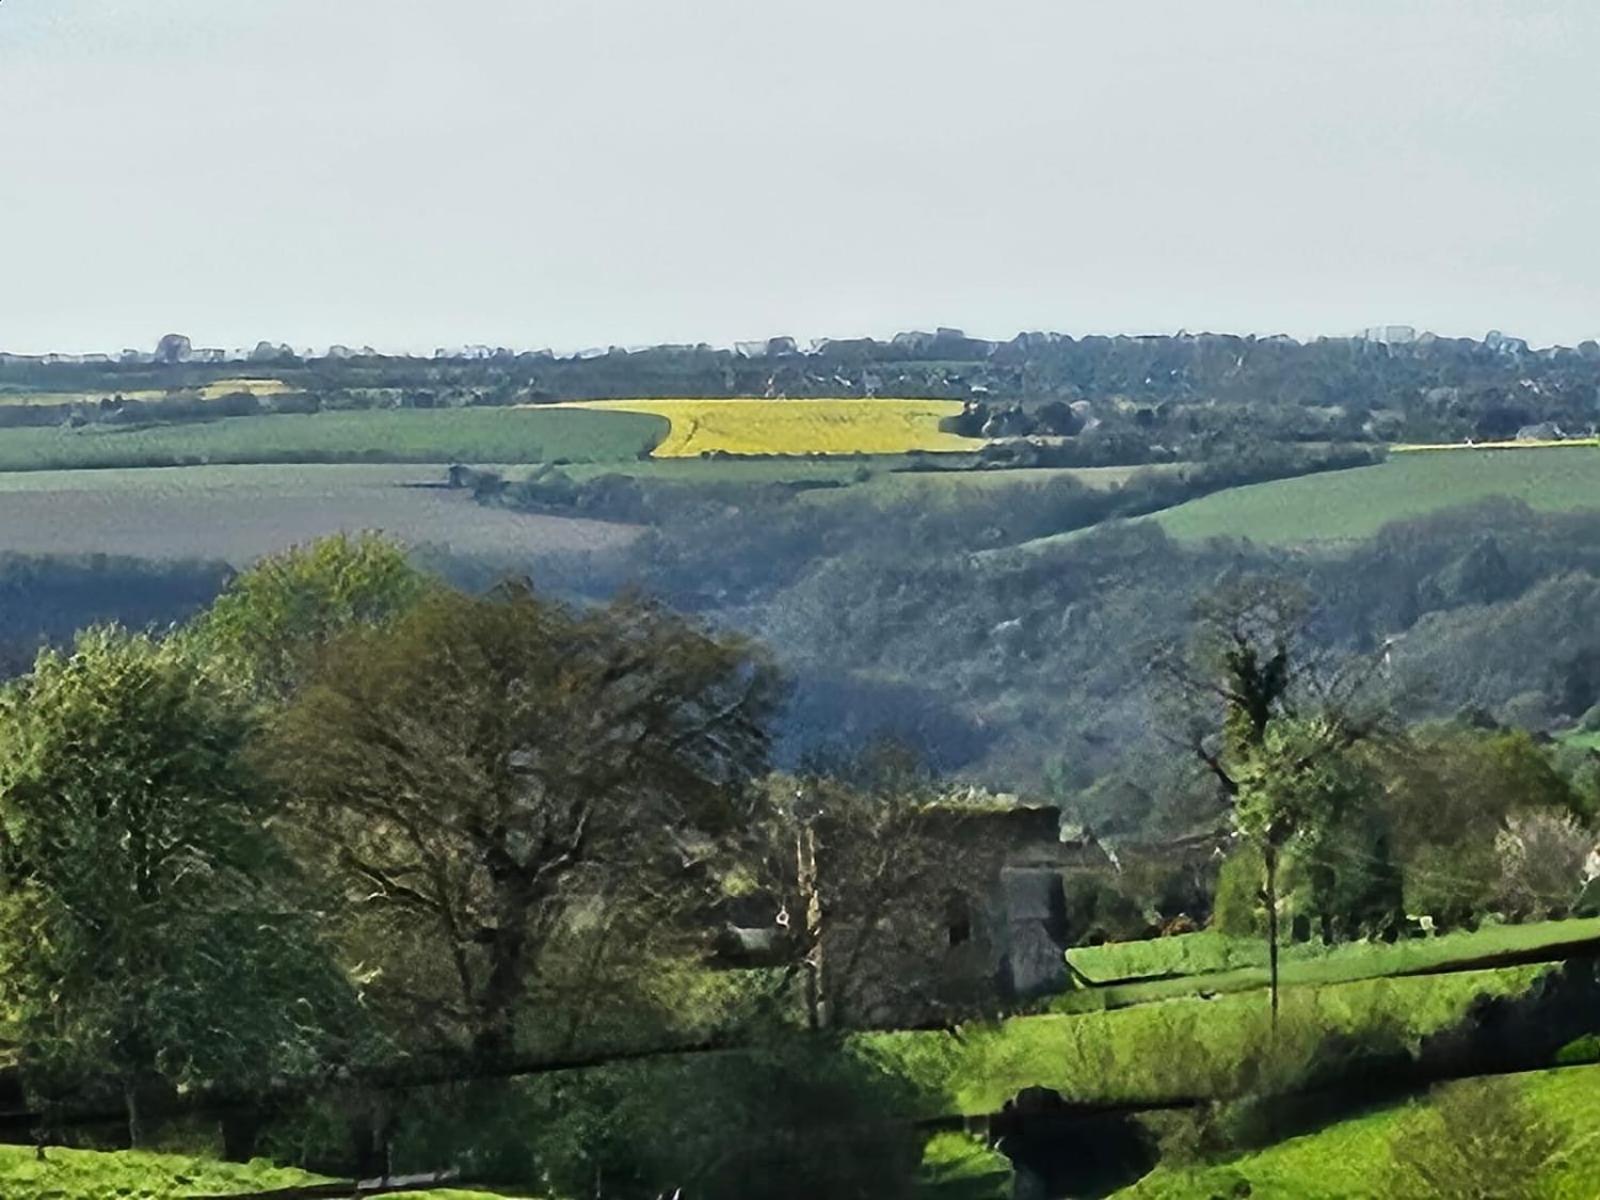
(1238, 910)
(1541, 857)
(1477, 1140)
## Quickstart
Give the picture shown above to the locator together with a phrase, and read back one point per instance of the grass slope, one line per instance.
(795, 426)
(1178, 1048)
(131, 1175)
(956, 1166)
(1213, 962)
(135, 1175)
(1350, 1160)
(1340, 505)
(478, 435)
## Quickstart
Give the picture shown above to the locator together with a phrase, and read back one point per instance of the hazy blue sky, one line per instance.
(577, 172)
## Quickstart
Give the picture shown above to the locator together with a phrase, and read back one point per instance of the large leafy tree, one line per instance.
(149, 932)
(273, 620)
(484, 767)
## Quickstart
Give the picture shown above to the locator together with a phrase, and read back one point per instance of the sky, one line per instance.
(574, 173)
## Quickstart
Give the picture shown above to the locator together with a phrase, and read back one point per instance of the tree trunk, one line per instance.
(241, 1127)
(136, 1132)
(806, 875)
(1270, 894)
(495, 1035)
(372, 1126)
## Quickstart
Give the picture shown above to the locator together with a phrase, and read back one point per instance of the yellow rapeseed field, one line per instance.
(851, 426)
(256, 387)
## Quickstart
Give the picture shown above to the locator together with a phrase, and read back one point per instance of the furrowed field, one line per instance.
(476, 435)
(1343, 505)
(796, 426)
(236, 514)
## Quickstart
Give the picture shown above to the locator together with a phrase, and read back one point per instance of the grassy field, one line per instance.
(88, 1173)
(795, 426)
(236, 514)
(129, 1175)
(1216, 962)
(478, 435)
(1350, 1160)
(1176, 1048)
(956, 1166)
(1338, 505)
(1584, 739)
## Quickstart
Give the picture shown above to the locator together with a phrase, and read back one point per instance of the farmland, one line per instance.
(238, 513)
(253, 387)
(1346, 505)
(1351, 1158)
(796, 426)
(498, 435)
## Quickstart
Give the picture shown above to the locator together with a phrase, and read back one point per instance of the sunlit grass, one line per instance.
(1350, 1160)
(1356, 503)
(478, 435)
(1180, 1048)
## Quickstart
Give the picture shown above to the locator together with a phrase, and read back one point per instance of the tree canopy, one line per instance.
(476, 768)
(146, 914)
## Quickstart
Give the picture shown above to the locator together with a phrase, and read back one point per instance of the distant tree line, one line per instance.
(1168, 391)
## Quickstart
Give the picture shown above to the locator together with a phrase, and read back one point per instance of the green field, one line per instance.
(956, 1166)
(138, 1176)
(1350, 1160)
(128, 1175)
(477, 435)
(1355, 503)
(1213, 962)
(236, 514)
(1177, 1048)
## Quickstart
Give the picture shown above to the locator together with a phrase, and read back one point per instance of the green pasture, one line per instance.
(477, 435)
(1355, 503)
(1212, 962)
(1350, 1160)
(1177, 1048)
